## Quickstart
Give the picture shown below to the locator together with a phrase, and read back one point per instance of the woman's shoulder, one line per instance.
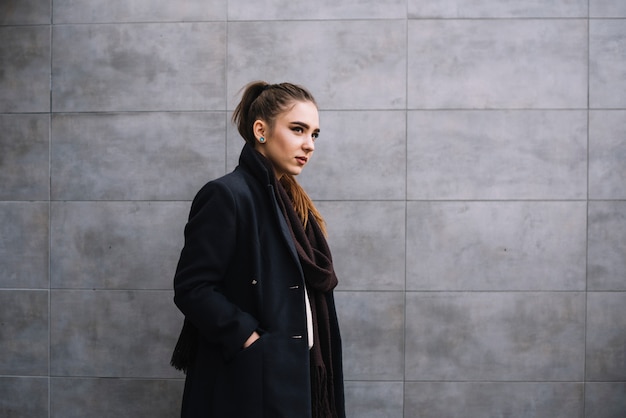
(236, 184)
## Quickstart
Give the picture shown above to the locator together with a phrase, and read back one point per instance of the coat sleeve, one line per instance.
(210, 246)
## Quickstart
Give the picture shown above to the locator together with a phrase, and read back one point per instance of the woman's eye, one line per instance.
(316, 135)
(297, 129)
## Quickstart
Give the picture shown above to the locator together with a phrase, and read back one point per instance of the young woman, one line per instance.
(255, 277)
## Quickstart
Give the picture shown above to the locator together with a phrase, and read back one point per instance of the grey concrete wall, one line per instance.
(471, 168)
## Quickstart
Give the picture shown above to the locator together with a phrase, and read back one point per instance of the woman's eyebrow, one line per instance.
(303, 125)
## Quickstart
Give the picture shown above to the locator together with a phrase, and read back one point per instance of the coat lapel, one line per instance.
(284, 228)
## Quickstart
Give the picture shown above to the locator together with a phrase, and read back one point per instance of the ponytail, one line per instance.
(301, 201)
(241, 116)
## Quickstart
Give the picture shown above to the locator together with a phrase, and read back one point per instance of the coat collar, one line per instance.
(259, 166)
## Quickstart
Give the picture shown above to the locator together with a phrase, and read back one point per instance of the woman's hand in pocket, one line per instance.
(251, 339)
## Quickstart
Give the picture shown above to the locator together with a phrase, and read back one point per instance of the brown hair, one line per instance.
(263, 101)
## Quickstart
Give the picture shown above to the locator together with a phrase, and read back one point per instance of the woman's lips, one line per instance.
(302, 160)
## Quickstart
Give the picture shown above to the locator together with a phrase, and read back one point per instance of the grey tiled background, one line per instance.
(472, 170)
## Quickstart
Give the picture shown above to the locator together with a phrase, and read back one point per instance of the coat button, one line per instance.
(294, 287)
(296, 337)
(254, 281)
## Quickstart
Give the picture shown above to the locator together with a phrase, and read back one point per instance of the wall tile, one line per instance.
(607, 63)
(496, 245)
(325, 9)
(113, 398)
(135, 156)
(93, 11)
(24, 397)
(605, 400)
(607, 8)
(372, 337)
(123, 334)
(368, 243)
(496, 9)
(606, 265)
(497, 155)
(25, 12)
(606, 336)
(346, 65)
(487, 399)
(24, 245)
(343, 168)
(374, 399)
(607, 152)
(116, 245)
(24, 331)
(24, 157)
(495, 336)
(25, 75)
(152, 66)
(506, 64)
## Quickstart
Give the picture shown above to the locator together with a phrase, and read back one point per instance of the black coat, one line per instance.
(239, 272)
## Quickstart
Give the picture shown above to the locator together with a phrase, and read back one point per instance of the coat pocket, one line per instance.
(239, 387)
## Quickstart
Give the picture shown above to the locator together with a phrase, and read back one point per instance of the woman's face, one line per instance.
(290, 144)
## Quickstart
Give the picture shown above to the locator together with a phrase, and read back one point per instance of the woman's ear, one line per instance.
(259, 128)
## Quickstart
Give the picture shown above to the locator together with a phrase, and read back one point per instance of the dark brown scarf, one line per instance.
(320, 279)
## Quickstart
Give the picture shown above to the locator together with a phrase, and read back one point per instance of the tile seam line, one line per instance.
(167, 289)
(222, 21)
(122, 112)
(497, 200)
(112, 378)
(49, 267)
(117, 379)
(411, 291)
(190, 199)
(147, 22)
(346, 110)
(466, 291)
(103, 289)
(534, 382)
(81, 289)
(327, 109)
(225, 79)
(339, 200)
(405, 111)
(586, 301)
(176, 379)
(323, 20)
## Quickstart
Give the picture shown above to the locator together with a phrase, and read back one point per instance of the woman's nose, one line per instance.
(309, 143)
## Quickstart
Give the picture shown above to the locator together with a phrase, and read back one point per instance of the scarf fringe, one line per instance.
(320, 401)
(186, 348)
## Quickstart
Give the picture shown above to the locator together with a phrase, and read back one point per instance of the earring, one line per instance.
(262, 140)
